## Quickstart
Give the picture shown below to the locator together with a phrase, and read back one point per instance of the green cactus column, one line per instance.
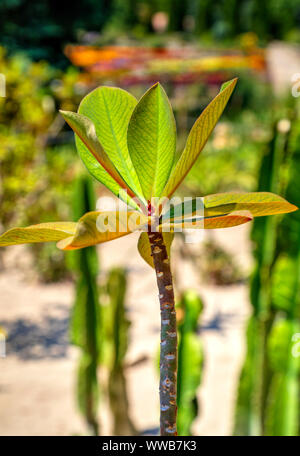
(116, 330)
(255, 377)
(283, 406)
(268, 400)
(85, 320)
(190, 360)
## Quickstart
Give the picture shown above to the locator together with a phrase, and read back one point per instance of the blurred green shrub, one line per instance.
(37, 164)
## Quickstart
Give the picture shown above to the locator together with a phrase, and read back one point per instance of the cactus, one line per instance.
(268, 398)
(115, 330)
(190, 360)
(254, 377)
(103, 338)
(283, 408)
(100, 332)
(85, 321)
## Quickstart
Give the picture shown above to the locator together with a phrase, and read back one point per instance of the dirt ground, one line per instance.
(37, 375)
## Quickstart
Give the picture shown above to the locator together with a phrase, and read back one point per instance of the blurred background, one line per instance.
(79, 332)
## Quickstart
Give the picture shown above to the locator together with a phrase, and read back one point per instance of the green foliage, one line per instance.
(190, 360)
(150, 124)
(36, 171)
(102, 147)
(127, 151)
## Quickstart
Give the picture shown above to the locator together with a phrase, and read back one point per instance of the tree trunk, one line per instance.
(168, 341)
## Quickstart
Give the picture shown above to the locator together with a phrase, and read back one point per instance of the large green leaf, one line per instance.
(86, 131)
(43, 232)
(95, 159)
(97, 227)
(152, 140)
(144, 247)
(198, 137)
(110, 109)
(257, 203)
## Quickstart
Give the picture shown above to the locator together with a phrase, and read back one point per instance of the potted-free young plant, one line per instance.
(129, 146)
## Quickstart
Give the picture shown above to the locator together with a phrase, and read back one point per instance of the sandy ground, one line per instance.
(37, 376)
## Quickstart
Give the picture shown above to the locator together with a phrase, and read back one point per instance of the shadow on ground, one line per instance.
(29, 340)
(49, 337)
(220, 322)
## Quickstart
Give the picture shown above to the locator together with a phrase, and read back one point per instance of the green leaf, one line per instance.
(144, 247)
(97, 227)
(110, 109)
(152, 140)
(257, 203)
(198, 137)
(43, 232)
(207, 223)
(95, 159)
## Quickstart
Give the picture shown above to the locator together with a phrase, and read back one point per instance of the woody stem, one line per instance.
(168, 341)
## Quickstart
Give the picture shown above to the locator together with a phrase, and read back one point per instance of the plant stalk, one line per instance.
(168, 336)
